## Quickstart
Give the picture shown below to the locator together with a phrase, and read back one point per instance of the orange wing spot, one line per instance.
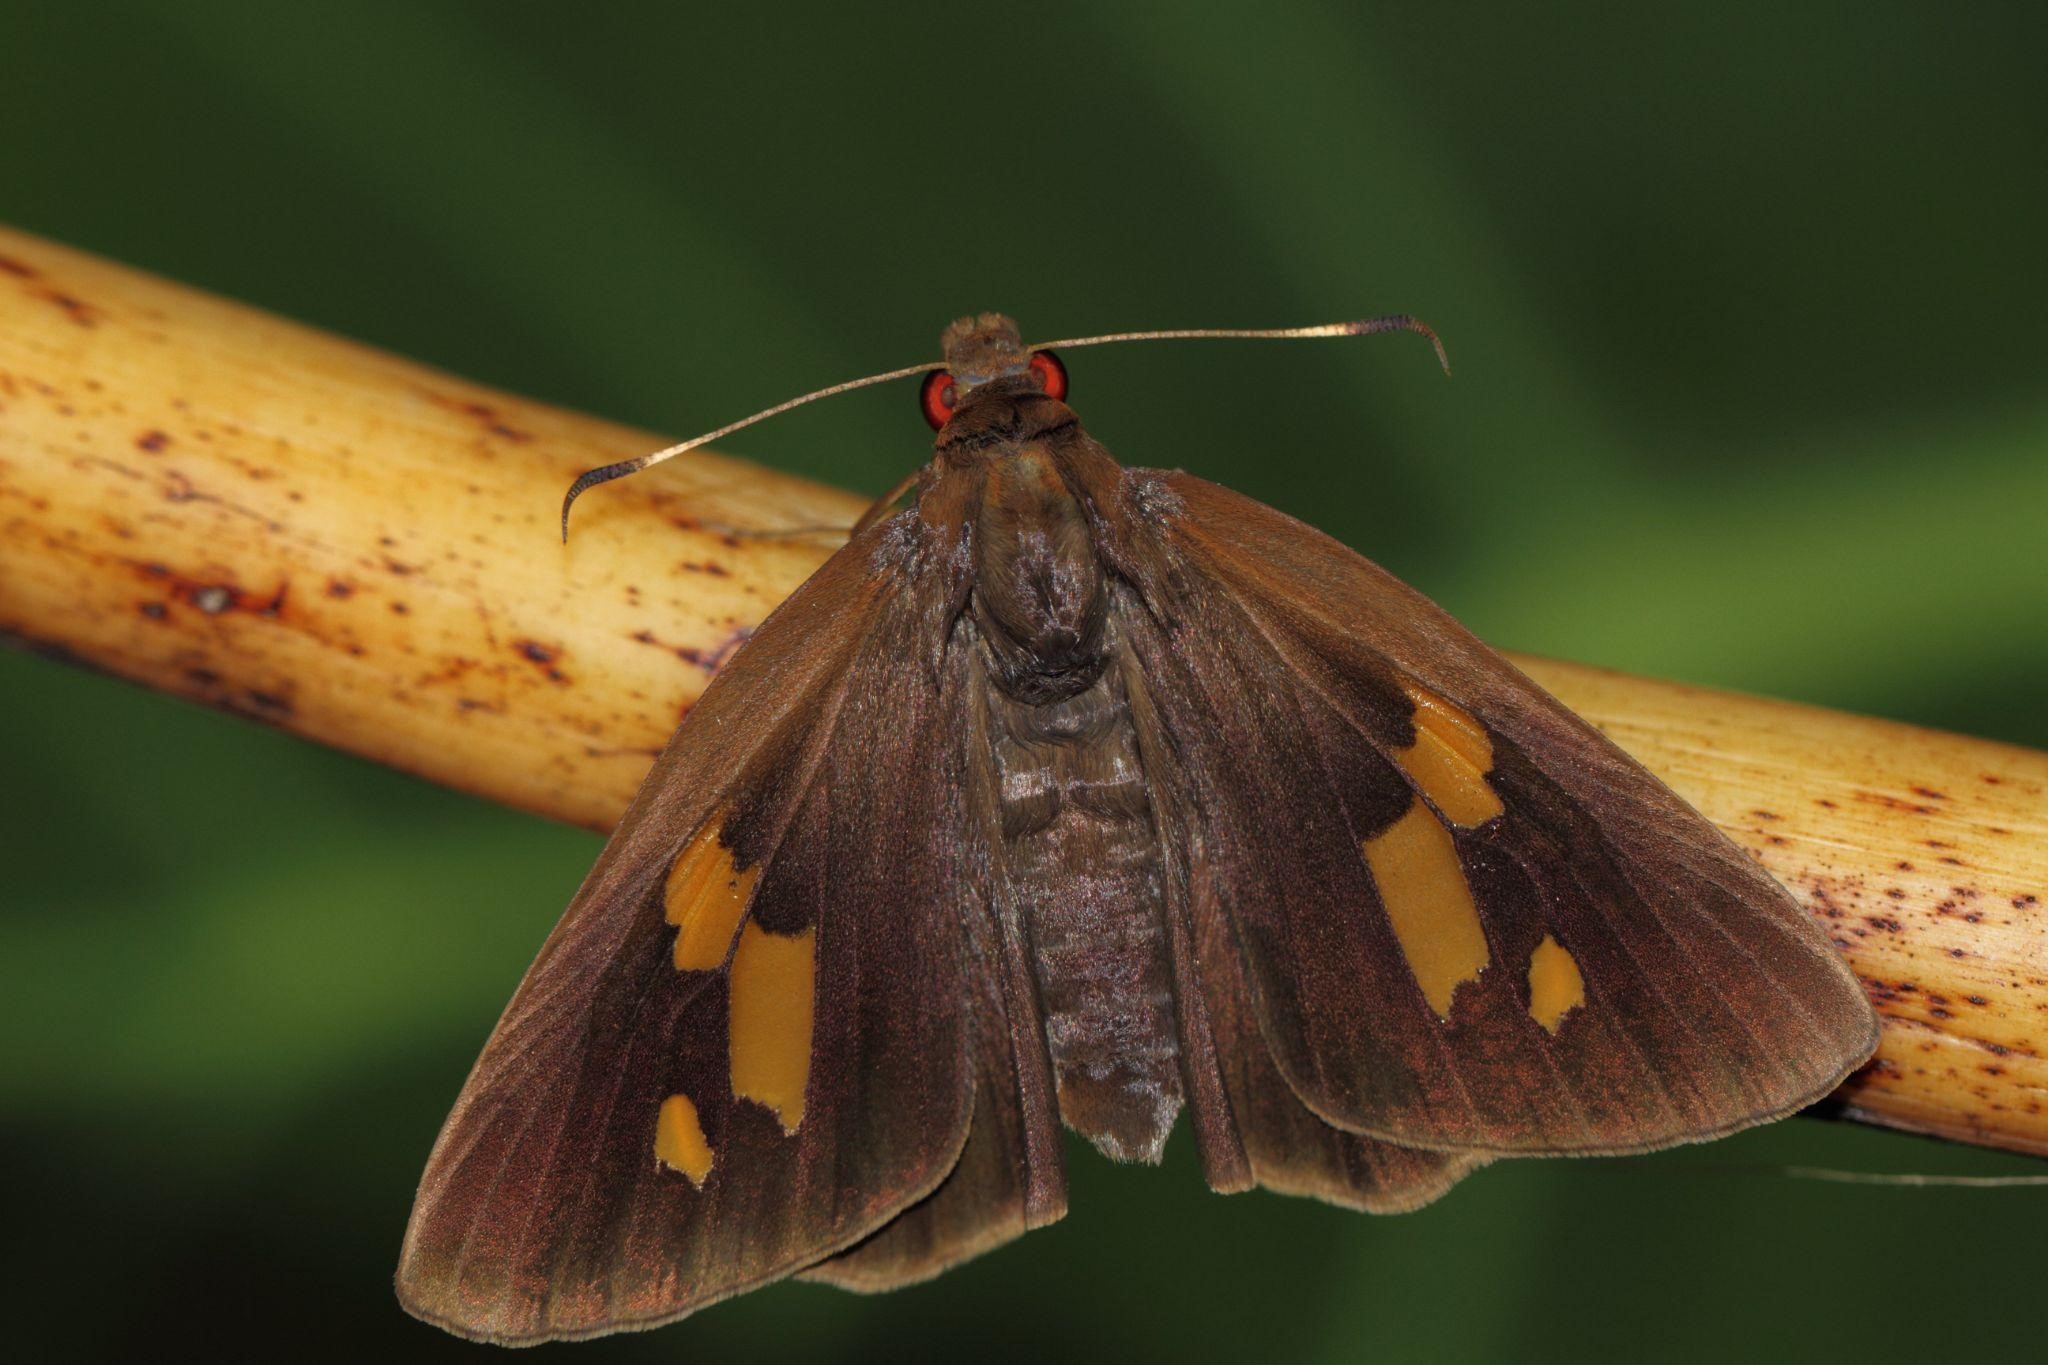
(771, 981)
(704, 898)
(679, 1142)
(1415, 865)
(1450, 759)
(1555, 986)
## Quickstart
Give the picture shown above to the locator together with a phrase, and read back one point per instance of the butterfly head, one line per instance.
(986, 352)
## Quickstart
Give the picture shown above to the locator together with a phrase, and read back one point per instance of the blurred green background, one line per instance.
(1746, 312)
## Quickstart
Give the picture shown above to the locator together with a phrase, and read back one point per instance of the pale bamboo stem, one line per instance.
(358, 549)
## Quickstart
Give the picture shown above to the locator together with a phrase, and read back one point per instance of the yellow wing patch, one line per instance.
(704, 898)
(1415, 866)
(771, 981)
(1555, 986)
(679, 1142)
(1450, 759)
(770, 985)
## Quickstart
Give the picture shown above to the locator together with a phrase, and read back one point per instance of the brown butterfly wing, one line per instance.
(570, 1193)
(1466, 920)
(1290, 1149)
(984, 1202)
(1011, 1176)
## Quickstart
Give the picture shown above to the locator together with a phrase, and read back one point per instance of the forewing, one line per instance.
(746, 1045)
(1466, 920)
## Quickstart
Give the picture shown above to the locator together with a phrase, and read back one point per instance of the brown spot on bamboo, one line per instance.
(488, 416)
(544, 657)
(714, 659)
(73, 307)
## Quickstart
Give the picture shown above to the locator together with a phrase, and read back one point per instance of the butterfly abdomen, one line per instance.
(1084, 868)
(1080, 849)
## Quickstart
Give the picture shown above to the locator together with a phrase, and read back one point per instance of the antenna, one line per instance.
(1392, 322)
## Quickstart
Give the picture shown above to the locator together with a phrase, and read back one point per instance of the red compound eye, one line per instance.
(1052, 376)
(936, 398)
